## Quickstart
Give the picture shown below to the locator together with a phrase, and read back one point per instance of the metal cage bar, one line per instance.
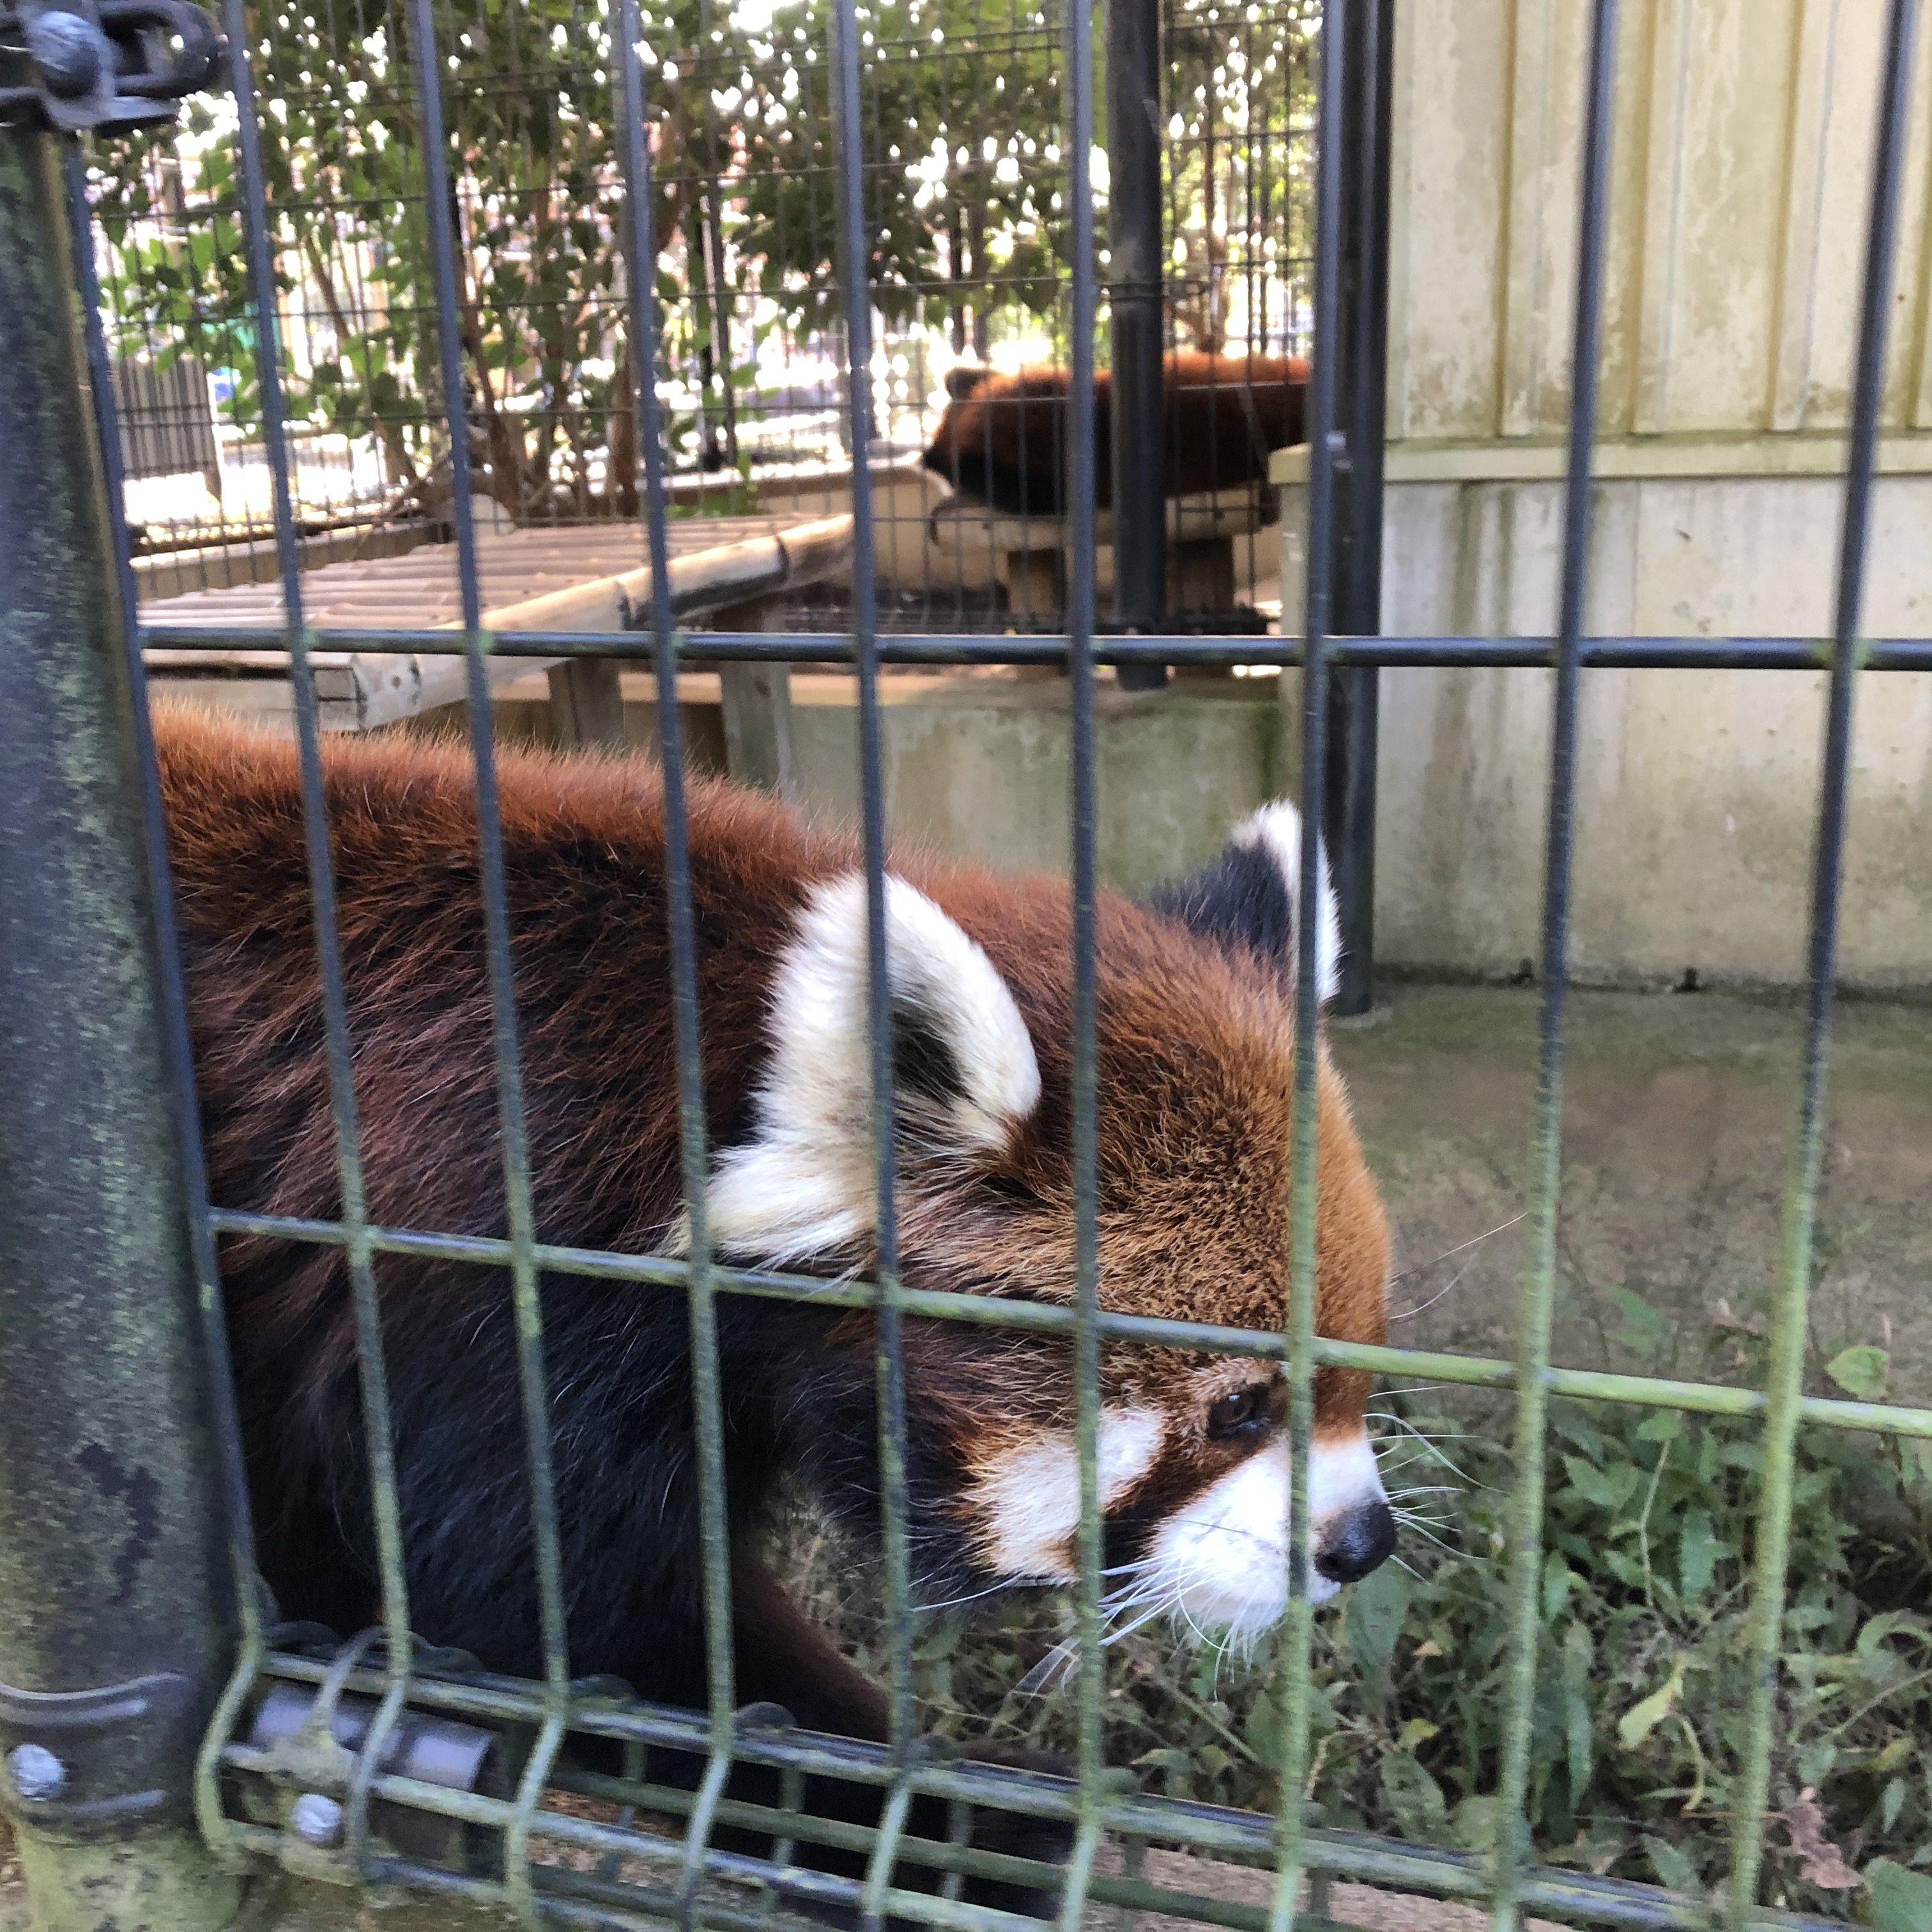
(1034, 1317)
(1298, 1638)
(1539, 1286)
(1083, 806)
(1784, 1392)
(854, 229)
(695, 646)
(893, 1858)
(700, 1280)
(378, 1425)
(512, 1122)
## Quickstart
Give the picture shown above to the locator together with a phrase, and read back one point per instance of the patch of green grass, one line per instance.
(1645, 1685)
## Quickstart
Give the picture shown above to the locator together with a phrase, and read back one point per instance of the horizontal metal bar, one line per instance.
(1040, 1318)
(1240, 1837)
(602, 1904)
(698, 647)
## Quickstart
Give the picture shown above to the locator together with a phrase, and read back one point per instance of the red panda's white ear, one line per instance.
(1275, 831)
(1250, 896)
(965, 1074)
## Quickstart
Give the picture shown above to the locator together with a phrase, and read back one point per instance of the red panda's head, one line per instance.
(1195, 1035)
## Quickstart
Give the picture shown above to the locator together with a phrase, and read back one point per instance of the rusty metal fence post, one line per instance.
(117, 1616)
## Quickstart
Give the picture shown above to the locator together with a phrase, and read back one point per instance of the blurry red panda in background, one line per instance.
(1002, 439)
(1195, 1059)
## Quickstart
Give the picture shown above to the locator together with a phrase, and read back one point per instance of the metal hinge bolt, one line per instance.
(68, 51)
(317, 1819)
(37, 1774)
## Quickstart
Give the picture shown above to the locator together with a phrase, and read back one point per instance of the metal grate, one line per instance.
(687, 1877)
(969, 242)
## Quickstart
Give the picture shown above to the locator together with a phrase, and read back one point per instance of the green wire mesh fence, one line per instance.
(381, 1760)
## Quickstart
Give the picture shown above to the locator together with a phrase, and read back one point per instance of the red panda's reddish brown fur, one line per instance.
(1002, 439)
(1194, 1034)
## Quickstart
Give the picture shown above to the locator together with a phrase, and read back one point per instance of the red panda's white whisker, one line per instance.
(1455, 1281)
(1062, 1661)
(1429, 1445)
(1039, 1679)
(973, 1596)
(1422, 1267)
(1423, 1530)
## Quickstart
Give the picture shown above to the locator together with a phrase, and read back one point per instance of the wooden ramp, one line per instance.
(590, 579)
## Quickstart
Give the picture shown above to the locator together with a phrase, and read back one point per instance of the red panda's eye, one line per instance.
(1240, 1414)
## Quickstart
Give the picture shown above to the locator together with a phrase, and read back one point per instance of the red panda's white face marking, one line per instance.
(1028, 1497)
(804, 1186)
(1215, 1558)
(1221, 1563)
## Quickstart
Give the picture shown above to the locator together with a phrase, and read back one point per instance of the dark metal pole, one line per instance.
(1361, 343)
(117, 1608)
(1138, 411)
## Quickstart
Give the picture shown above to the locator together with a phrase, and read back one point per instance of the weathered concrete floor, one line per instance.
(1679, 1118)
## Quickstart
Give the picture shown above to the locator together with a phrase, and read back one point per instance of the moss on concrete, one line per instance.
(1678, 1113)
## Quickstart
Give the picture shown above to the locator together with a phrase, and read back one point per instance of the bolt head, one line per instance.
(37, 1774)
(68, 50)
(317, 1819)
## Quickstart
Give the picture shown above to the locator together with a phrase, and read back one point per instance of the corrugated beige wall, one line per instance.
(1740, 187)
(1742, 158)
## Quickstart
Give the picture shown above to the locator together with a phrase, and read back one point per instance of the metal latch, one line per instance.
(310, 1742)
(83, 1764)
(105, 65)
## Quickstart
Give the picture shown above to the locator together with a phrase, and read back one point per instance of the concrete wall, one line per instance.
(978, 766)
(1698, 791)
(1740, 179)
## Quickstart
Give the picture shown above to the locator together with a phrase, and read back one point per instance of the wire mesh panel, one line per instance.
(969, 236)
(485, 1312)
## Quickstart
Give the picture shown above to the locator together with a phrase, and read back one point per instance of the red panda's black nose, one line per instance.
(1359, 1541)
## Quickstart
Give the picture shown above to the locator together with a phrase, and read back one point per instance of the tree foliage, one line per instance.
(743, 155)
(959, 133)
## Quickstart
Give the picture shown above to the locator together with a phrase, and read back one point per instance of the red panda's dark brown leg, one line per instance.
(784, 1658)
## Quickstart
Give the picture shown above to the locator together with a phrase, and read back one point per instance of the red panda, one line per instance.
(1002, 440)
(1195, 1051)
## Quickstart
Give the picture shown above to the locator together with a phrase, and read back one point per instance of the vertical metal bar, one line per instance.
(1785, 1388)
(855, 282)
(1361, 339)
(514, 1123)
(167, 935)
(512, 1119)
(854, 259)
(1085, 804)
(855, 285)
(1539, 1283)
(707, 1394)
(378, 1430)
(114, 1564)
(1297, 1647)
(1136, 286)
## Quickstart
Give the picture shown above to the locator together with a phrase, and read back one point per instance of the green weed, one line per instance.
(1644, 1681)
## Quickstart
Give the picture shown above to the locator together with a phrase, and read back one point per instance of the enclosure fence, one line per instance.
(127, 1348)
